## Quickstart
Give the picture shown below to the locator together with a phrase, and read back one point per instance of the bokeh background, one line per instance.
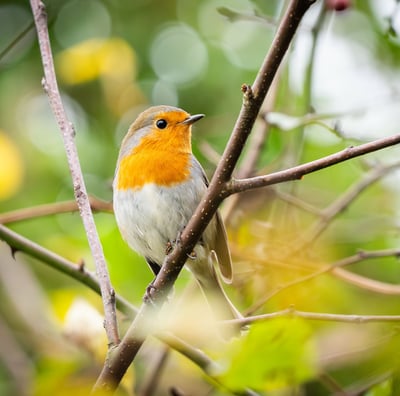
(339, 85)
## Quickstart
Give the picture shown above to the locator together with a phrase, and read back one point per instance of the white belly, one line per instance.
(151, 217)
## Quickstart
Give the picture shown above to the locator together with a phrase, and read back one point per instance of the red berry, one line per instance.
(337, 5)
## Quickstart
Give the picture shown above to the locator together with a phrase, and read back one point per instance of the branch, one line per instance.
(326, 317)
(362, 281)
(367, 283)
(16, 40)
(121, 357)
(87, 278)
(233, 15)
(337, 269)
(297, 202)
(79, 273)
(252, 155)
(97, 205)
(16, 360)
(68, 134)
(150, 383)
(74, 270)
(297, 172)
(343, 202)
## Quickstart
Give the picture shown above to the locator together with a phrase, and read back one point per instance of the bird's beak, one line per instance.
(192, 119)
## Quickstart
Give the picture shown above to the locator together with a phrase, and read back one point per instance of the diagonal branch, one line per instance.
(342, 203)
(81, 196)
(120, 357)
(59, 263)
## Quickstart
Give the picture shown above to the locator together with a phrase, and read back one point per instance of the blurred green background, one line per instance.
(339, 85)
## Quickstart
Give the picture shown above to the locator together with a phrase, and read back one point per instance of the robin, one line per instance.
(157, 186)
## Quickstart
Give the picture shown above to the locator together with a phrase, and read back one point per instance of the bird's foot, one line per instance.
(148, 298)
(169, 247)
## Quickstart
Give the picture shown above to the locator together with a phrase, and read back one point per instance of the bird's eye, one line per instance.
(161, 124)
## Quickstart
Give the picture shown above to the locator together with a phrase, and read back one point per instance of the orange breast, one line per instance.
(154, 161)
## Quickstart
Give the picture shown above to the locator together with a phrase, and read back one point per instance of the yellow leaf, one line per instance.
(97, 58)
(11, 168)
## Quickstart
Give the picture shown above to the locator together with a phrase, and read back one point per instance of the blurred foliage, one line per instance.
(113, 59)
(288, 345)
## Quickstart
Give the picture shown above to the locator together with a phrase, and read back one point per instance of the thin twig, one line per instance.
(343, 202)
(331, 384)
(195, 355)
(309, 71)
(337, 269)
(326, 317)
(258, 137)
(14, 216)
(15, 360)
(362, 281)
(256, 144)
(363, 388)
(297, 202)
(68, 133)
(150, 384)
(15, 41)
(118, 362)
(234, 15)
(365, 283)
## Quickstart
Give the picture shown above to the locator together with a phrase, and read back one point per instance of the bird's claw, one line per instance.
(147, 298)
(169, 247)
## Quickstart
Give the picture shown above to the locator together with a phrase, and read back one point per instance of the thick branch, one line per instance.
(120, 359)
(81, 196)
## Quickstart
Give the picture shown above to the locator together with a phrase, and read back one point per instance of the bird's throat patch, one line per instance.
(161, 168)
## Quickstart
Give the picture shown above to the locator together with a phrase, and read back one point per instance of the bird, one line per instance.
(157, 186)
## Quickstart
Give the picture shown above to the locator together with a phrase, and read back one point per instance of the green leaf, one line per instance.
(274, 354)
(382, 389)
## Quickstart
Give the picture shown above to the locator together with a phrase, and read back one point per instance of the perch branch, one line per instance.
(119, 360)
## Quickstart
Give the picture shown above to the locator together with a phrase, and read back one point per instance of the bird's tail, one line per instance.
(213, 291)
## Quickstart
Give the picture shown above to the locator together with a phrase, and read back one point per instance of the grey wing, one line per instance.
(220, 247)
(222, 250)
